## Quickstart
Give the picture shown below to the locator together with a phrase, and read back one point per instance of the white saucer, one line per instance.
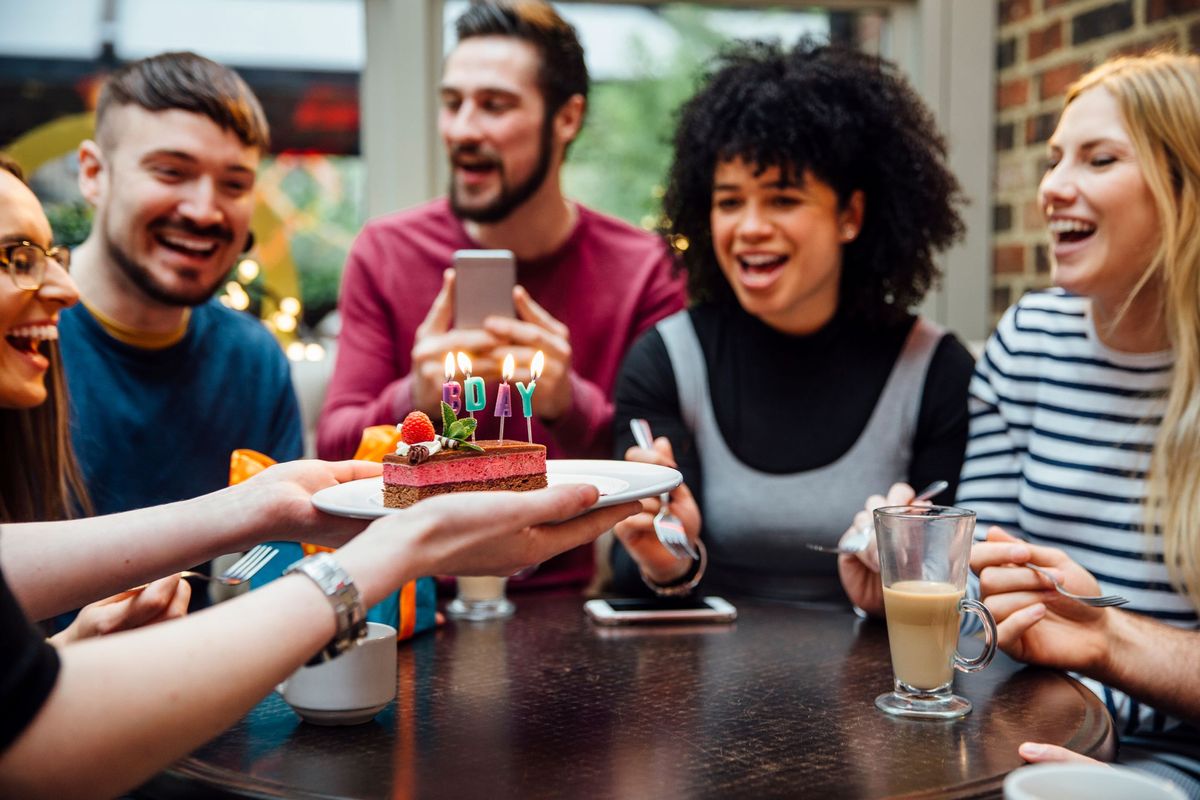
(618, 482)
(352, 716)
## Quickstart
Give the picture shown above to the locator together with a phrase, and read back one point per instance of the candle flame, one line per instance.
(464, 363)
(449, 367)
(509, 368)
(539, 363)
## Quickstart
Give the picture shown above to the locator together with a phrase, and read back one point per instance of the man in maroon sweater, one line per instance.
(514, 94)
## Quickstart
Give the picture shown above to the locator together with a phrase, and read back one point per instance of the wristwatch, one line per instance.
(343, 595)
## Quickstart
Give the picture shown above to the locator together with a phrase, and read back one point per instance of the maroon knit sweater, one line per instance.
(608, 283)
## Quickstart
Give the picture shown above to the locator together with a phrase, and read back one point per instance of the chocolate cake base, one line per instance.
(404, 496)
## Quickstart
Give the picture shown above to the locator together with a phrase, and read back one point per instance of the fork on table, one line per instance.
(1096, 601)
(667, 526)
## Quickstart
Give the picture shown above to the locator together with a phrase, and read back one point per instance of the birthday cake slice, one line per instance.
(426, 464)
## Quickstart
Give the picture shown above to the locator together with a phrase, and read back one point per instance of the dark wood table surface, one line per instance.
(545, 704)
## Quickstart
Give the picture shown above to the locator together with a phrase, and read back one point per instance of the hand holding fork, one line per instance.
(667, 527)
(862, 536)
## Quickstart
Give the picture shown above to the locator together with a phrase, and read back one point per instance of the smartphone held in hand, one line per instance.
(625, 611)
(483, 284)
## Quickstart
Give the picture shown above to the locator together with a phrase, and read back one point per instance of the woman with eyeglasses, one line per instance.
(100, 716)
(48, 486)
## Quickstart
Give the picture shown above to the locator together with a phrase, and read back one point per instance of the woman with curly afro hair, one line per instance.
(808, 198)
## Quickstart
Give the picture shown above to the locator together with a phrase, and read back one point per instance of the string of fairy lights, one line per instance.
(285, 321)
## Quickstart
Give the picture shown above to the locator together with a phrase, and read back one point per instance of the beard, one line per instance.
(143, 278)
(511, 197)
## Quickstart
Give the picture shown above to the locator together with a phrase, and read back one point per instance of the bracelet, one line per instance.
(343, 595)
(684, 585)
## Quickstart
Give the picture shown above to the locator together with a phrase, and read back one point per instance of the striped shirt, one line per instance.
(1061, 433)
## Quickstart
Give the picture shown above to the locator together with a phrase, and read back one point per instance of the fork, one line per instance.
(1096, 601)
(864, 533)
(241, 570)
(667, 526)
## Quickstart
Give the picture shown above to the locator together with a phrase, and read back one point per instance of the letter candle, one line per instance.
(473, 389)
(526, 392)
(451, 389)
(503, 396)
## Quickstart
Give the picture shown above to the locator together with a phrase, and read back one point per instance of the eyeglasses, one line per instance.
(27, 263)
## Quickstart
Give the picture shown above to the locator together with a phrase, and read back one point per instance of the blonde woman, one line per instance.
(1085, 430)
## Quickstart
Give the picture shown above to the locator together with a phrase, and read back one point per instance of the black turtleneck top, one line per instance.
(830, 381)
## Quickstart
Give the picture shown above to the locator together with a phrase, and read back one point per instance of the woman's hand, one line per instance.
(280, 499)
(1037, 753)
(637, 532)
(1034, 622)
(164, 599)
(860, 572)
(475, 533)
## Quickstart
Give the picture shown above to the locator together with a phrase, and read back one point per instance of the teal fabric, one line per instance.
(387, 612)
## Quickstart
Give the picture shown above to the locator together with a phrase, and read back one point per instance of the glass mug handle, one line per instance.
(977, 608)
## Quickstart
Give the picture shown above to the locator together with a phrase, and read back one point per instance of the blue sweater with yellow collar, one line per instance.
(155, 426)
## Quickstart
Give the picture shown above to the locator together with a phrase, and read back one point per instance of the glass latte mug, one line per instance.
(480, 598)
(923, 555)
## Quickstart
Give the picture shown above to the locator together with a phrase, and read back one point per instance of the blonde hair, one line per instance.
(1159, 98)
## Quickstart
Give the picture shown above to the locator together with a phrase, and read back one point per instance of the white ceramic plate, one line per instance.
(618, 482)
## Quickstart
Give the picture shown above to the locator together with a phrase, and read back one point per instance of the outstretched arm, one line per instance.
(127, 705)
(57, 566)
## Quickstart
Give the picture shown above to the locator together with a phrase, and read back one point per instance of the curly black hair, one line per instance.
(856, 124)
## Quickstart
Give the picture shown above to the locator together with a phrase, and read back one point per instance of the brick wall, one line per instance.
(1041, 47)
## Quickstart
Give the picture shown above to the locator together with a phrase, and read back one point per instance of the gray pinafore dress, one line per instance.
(755, 523)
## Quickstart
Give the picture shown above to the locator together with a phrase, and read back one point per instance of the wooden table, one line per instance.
(547, 705)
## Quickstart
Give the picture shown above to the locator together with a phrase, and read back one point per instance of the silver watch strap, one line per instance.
(324, 570)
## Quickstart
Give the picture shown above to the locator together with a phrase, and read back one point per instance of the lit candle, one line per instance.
(526, 392)
(473, 389)
(451, 389)
(503, 398)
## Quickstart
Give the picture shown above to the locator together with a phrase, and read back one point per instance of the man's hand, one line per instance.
(164, 599)
(860, 572)
(535, 329)
(434, 338)
(637, 532)
(1035, 623)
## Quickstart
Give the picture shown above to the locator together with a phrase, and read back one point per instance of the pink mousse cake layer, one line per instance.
(479, 468)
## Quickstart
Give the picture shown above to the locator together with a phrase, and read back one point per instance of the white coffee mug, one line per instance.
(350, 689)
(1090, 781)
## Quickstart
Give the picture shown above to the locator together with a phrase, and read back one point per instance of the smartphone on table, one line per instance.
(483, 284)
(628, 611)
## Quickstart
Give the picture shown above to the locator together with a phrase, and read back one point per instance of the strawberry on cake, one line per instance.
(426, 464)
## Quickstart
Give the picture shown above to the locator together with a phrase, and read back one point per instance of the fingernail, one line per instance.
(1032, 749)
